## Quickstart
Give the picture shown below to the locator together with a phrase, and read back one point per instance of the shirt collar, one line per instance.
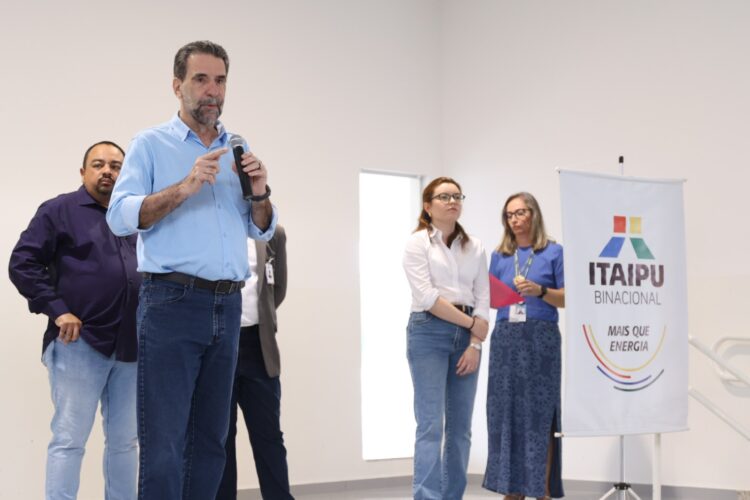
(436, 234)
(83, 197)
(182, 131)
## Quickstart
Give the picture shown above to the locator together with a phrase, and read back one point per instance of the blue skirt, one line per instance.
(523, 409)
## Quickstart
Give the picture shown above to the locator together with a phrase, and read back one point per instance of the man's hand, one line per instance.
(156, 206)
(70, 327)
(261, 212)
(205, 169)
(256, 171)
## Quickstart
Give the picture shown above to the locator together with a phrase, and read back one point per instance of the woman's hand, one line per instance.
(469, 362)
(528, 288)
(553, 297)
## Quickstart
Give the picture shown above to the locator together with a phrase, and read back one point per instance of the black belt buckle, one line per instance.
(464, 309)
(226, 286)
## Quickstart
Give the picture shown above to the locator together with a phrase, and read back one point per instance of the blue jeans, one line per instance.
(443, 406)
(187, 350)
(79, 378)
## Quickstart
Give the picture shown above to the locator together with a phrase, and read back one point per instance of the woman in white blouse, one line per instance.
(447, 272)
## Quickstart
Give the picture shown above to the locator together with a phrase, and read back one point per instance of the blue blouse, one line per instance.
(546, 269)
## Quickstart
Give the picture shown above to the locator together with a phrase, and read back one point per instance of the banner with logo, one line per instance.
(626, 354)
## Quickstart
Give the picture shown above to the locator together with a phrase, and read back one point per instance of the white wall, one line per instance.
(320, 90)
(531, 85)
(498, 91)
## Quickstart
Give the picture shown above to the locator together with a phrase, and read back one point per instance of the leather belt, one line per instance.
(219, 286)
(464, 309)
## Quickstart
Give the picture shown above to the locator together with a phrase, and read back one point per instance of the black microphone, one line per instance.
(238, 148)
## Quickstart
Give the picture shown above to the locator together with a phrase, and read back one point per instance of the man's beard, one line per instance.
(105, 190)
(208, 119)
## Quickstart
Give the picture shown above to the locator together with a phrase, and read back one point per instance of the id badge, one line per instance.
(517, 313)
(269, 273)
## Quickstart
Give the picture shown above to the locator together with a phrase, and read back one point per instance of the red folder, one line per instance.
(502, 295)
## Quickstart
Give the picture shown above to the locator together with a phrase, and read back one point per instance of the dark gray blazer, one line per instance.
(271, 296)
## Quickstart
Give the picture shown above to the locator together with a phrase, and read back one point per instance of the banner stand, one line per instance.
(621, 489)
(656, 468)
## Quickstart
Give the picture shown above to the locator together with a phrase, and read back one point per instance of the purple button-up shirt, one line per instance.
(68, 261)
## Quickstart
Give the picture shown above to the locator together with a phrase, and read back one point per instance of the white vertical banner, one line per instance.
(626, 358)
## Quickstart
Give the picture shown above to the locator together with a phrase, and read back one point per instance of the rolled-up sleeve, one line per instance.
(134, 183)
(417, 268)
(254, 231)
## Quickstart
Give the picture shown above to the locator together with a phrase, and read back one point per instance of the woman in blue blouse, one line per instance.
(523, 392)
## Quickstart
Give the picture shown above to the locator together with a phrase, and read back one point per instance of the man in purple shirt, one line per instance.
(70, 266)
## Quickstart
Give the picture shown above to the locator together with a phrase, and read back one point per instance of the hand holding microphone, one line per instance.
(251, 171)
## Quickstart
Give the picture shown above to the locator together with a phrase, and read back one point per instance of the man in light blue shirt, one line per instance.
(179, 191)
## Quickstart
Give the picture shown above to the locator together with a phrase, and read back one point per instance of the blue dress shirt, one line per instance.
(206, 235)
(68, 261)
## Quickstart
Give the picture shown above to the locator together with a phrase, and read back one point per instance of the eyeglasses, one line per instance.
(447, 197)
(520, 213)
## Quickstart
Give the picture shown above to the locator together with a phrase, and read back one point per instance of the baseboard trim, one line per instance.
(575, 489)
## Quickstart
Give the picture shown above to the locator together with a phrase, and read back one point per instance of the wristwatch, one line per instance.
(263, 196)
(476, 345)
(544, 291)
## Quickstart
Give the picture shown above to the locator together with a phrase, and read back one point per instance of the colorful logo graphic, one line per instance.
(625, 381)
(613, 247)
(624, 352)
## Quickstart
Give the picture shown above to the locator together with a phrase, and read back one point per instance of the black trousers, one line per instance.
(259, 397)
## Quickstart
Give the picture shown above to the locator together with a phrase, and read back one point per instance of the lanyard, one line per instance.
(526, 267)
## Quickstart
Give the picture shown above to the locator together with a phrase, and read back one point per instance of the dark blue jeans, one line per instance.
(259, 396)
(187, 350)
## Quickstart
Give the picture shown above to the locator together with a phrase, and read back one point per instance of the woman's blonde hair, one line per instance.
(425, 221)
(539, 238)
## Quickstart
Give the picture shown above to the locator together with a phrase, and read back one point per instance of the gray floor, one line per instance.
(400, 489)
(392, 493)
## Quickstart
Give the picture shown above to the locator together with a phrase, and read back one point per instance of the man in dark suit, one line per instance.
(257, 389)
